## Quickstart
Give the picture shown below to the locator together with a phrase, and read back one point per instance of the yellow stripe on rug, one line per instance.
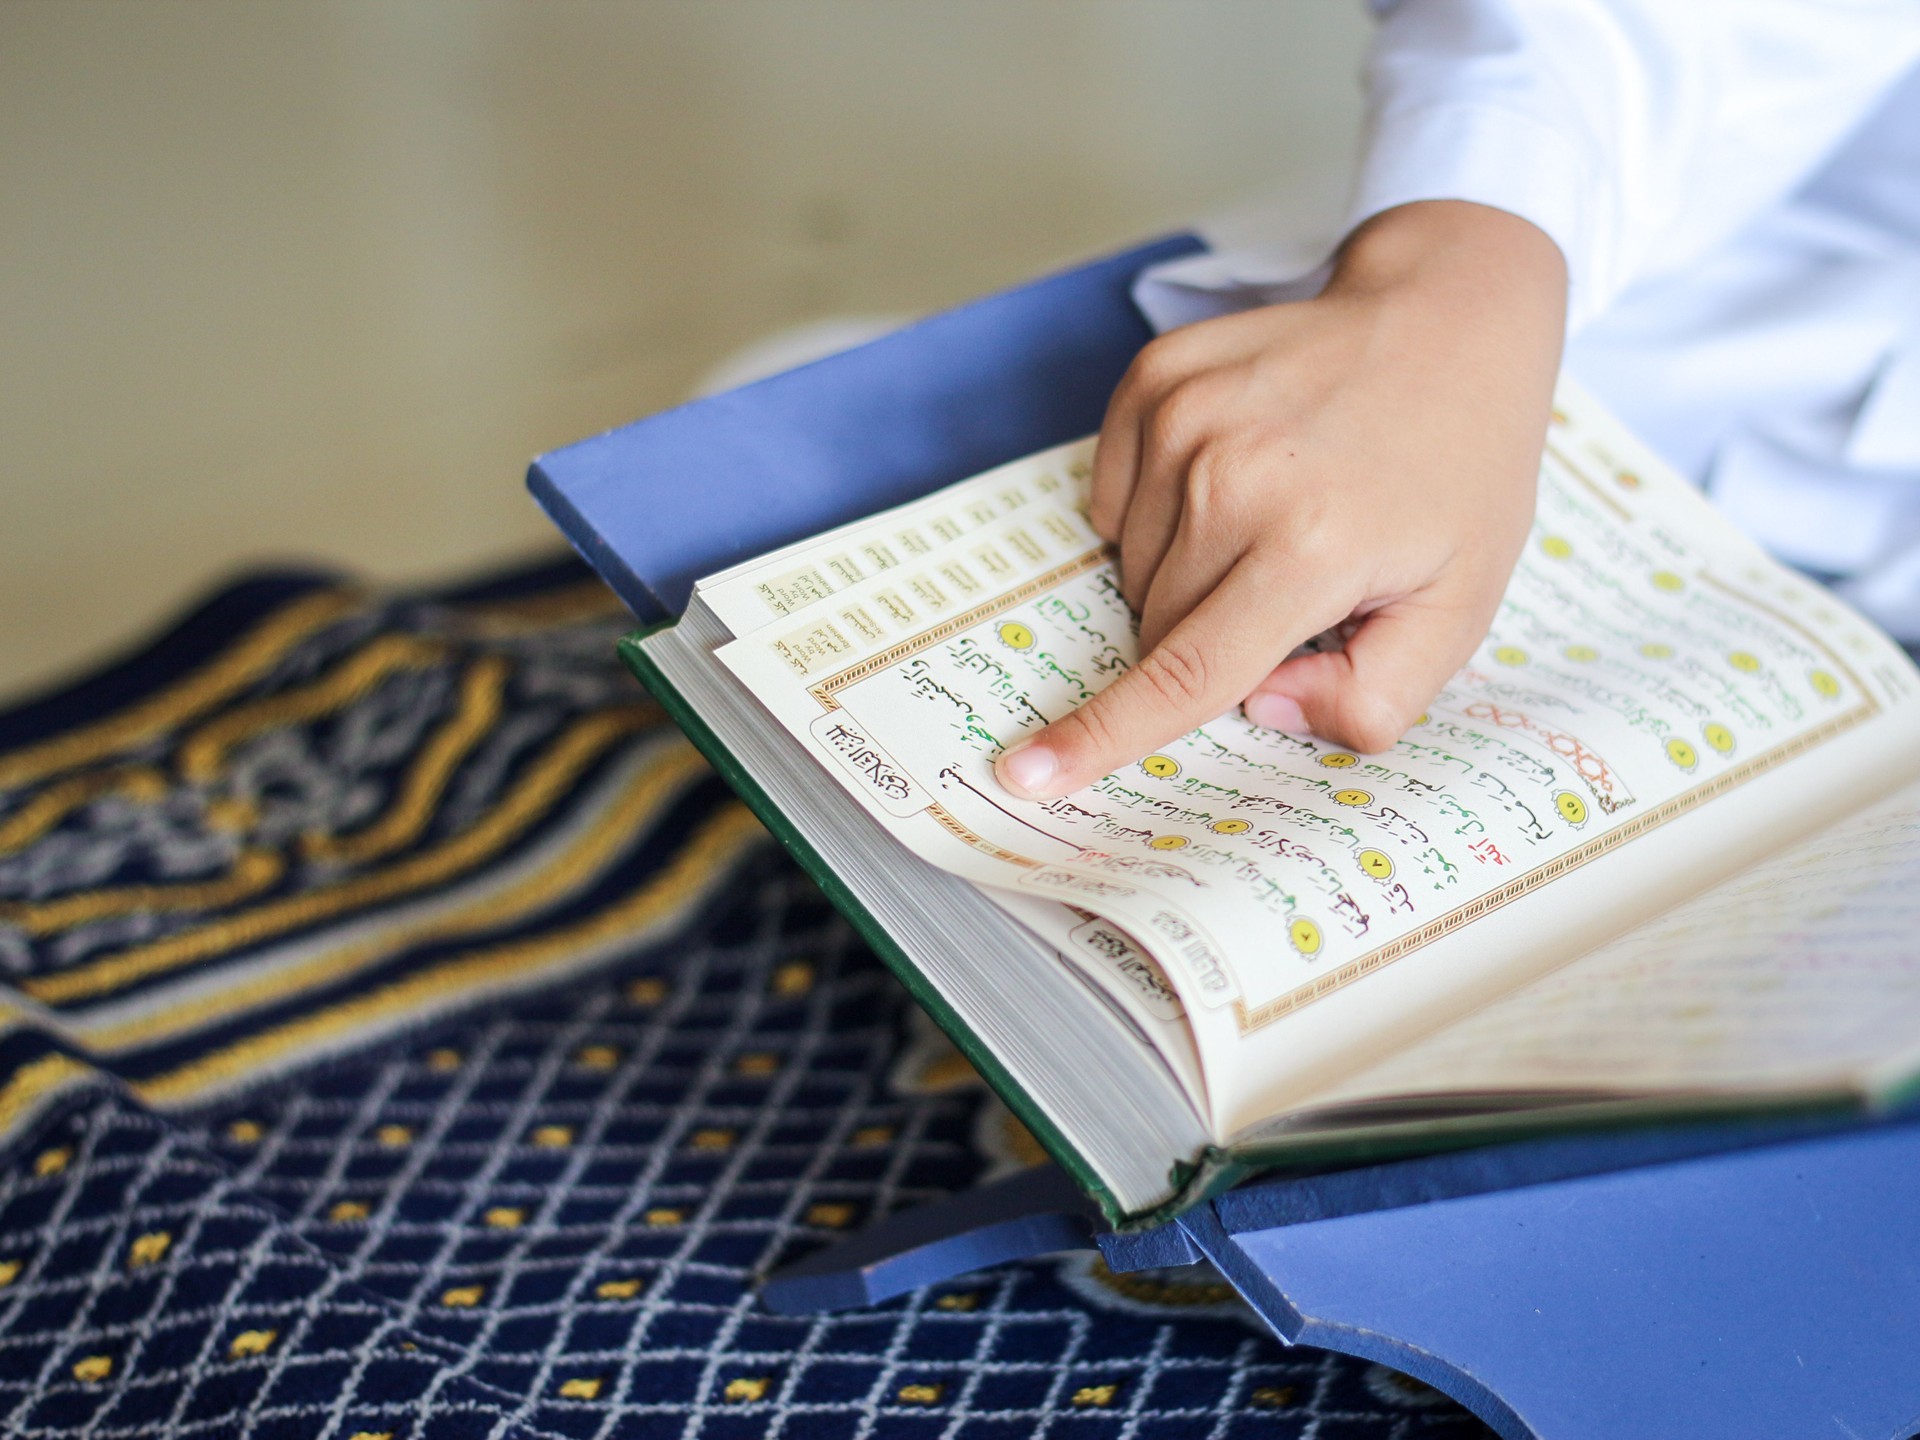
(481, 693)
(204, 752)
(628, 814)
(252, 872)
(674, 891)
(546, 781)
(249, 659)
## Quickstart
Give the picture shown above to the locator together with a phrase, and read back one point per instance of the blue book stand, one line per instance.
(1750, 1280)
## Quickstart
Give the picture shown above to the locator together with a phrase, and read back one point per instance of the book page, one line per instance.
(1801, 974)
(800, 576)
(1646, 660)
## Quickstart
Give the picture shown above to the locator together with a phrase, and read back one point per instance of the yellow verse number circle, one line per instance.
(1571, 807)
(1305, 936)
(1718, 736)
(1168, 842)
(1339, 760)
(1161, 767)
(1682, 754)
(1355, 798)
(1376, 863)
(1230, 827)
(1824, 684)
(1016, 635)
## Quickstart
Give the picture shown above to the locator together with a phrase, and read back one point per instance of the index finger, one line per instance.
(1204, 667)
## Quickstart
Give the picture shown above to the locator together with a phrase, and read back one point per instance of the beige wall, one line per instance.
(315, 280)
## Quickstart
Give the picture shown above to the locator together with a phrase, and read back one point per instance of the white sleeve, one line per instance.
(1638, 134)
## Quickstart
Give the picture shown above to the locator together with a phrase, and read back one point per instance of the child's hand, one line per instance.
(1369, 456)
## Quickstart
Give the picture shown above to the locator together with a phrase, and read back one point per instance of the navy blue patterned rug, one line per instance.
(402, 1034)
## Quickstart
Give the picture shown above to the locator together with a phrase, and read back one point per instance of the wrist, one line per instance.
(1454, 246)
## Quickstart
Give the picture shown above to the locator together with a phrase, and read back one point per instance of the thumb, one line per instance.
(1202, 668)
(1367, 695)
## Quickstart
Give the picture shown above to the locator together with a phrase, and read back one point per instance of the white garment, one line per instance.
(1736, 187)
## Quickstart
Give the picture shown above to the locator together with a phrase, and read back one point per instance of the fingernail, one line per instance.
(1026, 769)
(1276, 712)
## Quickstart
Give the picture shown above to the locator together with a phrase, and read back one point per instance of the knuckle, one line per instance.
(1158, 365)
(1368, 723)
(1176, 673)
(1216, 485)
(1088, 733)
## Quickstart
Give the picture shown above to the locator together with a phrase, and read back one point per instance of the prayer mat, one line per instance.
(403, 1034)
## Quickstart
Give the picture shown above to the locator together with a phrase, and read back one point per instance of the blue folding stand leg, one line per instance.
(1638, 1290)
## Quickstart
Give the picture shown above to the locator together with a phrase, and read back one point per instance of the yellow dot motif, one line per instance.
(1305, 936)
(1161, 767)
(1668, 581)
(1376, 863)
(921, 1394)
(873, 1135)
(1682, 754)
(149, 1249)
(1015, 636)
(1656, 650)
(1824, 684)
(552, 1137)
(1167, 842)
(245, 1132)
(618, 1289)
(758, 1063)
(443, 1061)
(1338, 760)
(345, 1210)
(1272, 1397)
(1570, 807)
(793, 978)
(1718, 737)
(1509, 655)
(463, 1297)
(51, 1162)
(746, 1390)
(582, 1387)
(663, 1218)
(252, 1342)
(1556, 547)
(1745, 661)
(713, 1139)
(960, 1301)
(830, 1215)
(9, 1272)
(393, 1136)
(1095, 1396)
(1355, 799)
(1230, 827)
(647, 990)
(504, 1217)
(93, 1369)
(371, 1435)
(596, 1057)
(1581, 654)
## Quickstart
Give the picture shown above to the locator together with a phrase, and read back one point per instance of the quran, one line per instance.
(1650, 854)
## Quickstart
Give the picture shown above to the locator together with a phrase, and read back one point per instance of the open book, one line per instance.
(1653, 851)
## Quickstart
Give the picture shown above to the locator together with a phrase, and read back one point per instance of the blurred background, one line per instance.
(312, 282)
